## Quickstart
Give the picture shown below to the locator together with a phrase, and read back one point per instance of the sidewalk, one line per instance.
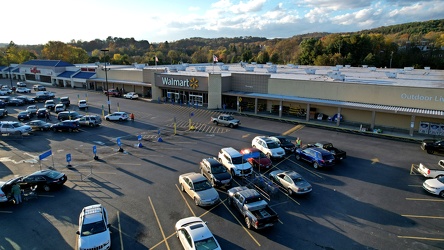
(345, 128)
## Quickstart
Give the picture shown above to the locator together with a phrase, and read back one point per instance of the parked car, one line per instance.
(44, 179)
(319, 157)
(432, 146)
(255, 211)
(82, 104)
(90, 120)
(199, 189)
(284, 143)
(39, 125)
(234, 162)
(65, 100)
(21, 84)
(41, 112)
(131, 95)
(112, 92)
(268, 146)
(60, 107)
(68, 115)
(435, 186)
(15, 102)
(3, 112)
(338, 153)
(26, 99)
(117, 116)
(291, 181)
(431, 172)
(5, 189)
(24, 115)
(215, 172)
(23, 90)
(16, 128)
(67, 125)
(32, 108)
(2, 104)
(256, 158)
(93, 232)
(50, 104)
(226, 120)
(39, 88)
(6, 89)
(193, 233)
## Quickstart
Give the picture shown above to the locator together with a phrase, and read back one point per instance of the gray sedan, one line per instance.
(291, 181)
(199, 189)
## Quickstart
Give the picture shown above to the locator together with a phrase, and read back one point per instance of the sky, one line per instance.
(32, 22)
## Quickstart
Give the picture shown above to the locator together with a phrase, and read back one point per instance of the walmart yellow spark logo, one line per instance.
(194, 83)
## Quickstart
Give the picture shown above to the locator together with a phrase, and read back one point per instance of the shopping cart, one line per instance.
(30, 193)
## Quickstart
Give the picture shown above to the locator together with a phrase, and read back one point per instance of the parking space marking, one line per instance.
(294, 129)
(6, 212)
(415, 185)
(183, 197)
(312, 172)
(420, 238)
(158, 222)
(120, 230)
(422, 216)
(240, 223)
(422, 199)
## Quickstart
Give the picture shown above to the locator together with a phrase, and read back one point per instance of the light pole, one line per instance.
(106, 79)
(9, 66)
(391, 57)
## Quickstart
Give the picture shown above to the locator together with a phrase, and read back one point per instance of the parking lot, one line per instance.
(369, 201)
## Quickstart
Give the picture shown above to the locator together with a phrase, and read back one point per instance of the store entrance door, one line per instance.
(196, 99)
(172, 97)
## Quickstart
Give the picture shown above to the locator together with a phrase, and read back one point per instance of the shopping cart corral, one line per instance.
(30, 193)
(264, 185)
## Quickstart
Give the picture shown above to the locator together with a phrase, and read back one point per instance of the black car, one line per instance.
(24, 115)
(41, 112)
(44, 179)
(431, 145)
(39, 125)
(26, 99)
(65, 100)
(284, 143)
(2, 104)
(68, 115)
(68, 125)
(15, 102)
(338, 153)
(215, 172)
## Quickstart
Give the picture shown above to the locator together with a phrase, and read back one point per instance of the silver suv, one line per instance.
(94, 227)
(90, 120)
(16, 128)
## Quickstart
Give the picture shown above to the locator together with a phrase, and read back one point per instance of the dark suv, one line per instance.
(68, 115)
(319, 157)
(215, 172)
(65, 100)
(67, 125)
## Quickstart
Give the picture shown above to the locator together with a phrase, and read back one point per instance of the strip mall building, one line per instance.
(408, 99)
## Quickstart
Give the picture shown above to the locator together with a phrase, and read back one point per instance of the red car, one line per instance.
(112, 92)
(256, 158)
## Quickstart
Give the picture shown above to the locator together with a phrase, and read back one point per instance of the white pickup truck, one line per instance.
(432, 173)
(226, 120)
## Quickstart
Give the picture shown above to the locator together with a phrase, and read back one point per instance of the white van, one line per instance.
(235, 162)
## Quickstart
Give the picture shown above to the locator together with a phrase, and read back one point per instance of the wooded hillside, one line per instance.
(416, 44)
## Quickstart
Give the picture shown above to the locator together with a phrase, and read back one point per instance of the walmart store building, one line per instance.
(408, 99)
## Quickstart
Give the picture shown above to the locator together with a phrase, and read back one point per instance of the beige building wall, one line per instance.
(149, 76)
(426, 98)
(214, 91)
(132, 75)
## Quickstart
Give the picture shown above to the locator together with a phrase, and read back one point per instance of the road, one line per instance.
(369, 201)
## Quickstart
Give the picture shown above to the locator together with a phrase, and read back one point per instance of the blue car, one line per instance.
(317, 156)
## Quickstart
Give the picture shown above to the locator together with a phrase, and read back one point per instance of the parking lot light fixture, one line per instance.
(9, 66)
(106, 79)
